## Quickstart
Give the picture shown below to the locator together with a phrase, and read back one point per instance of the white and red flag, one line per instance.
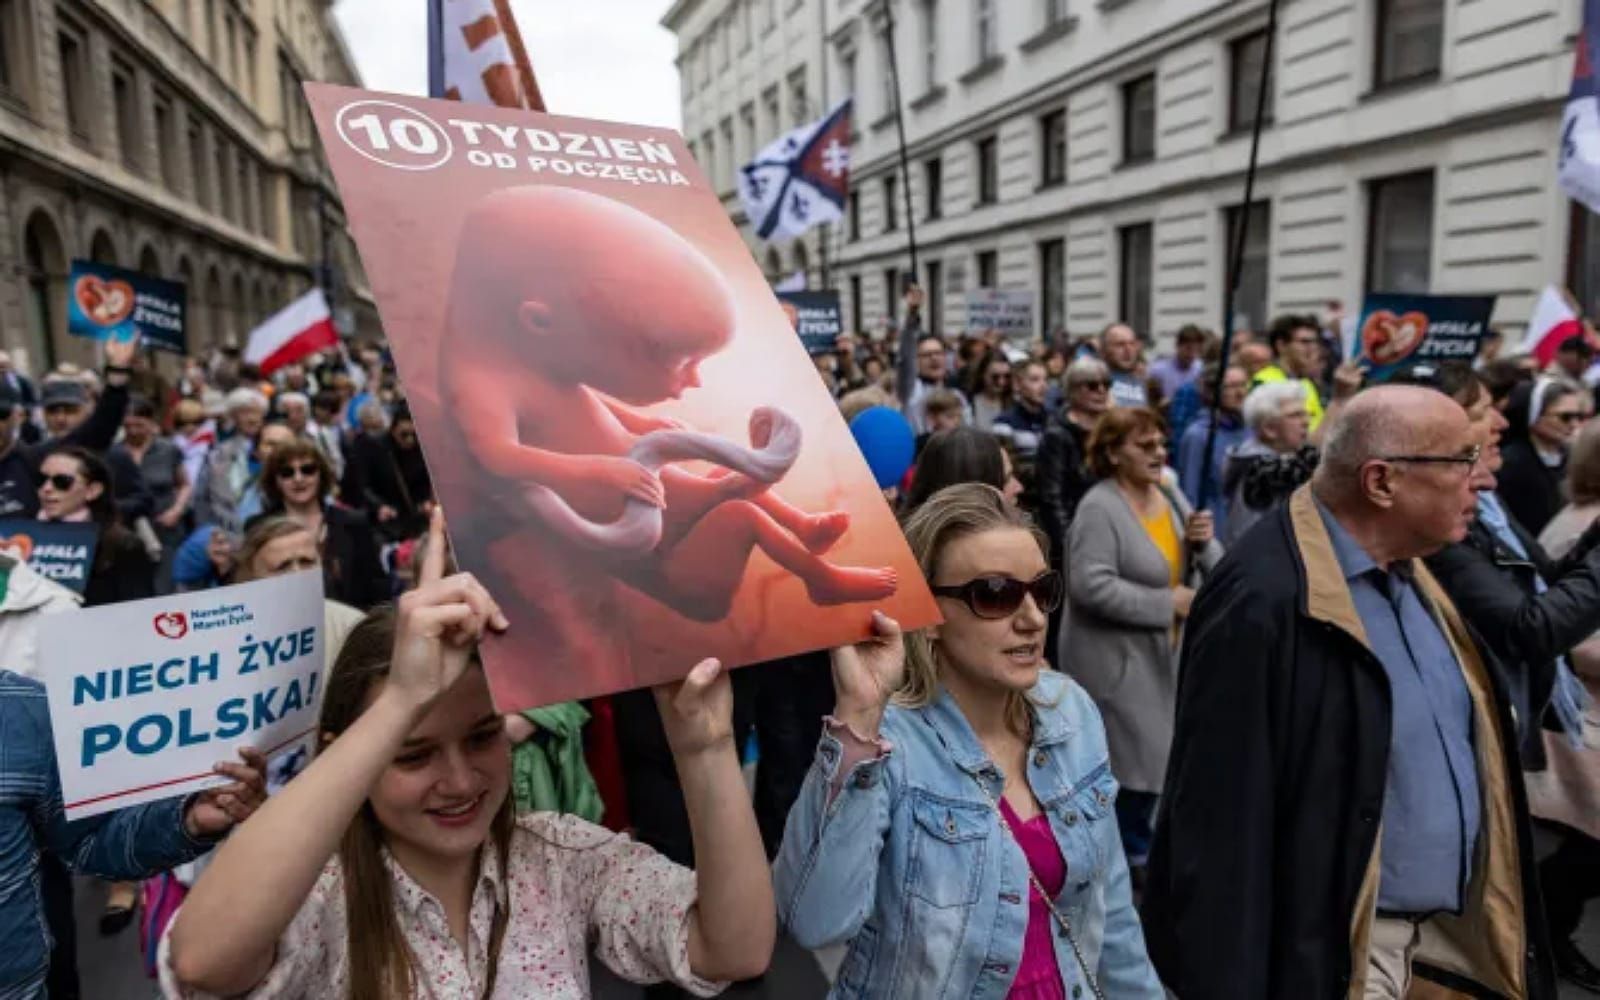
(1553, 321)
(800, 180)
(475, 54)
(303, 327)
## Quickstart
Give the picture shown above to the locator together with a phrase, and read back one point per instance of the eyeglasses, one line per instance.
(1099, 385)
(999, 596)
(61, 481)
(1575, 417)
(307, 470)
(1467, 459)
(1150, 447)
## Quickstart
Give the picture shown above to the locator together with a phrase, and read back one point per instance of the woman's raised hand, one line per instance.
(867, 674)
(440, 623)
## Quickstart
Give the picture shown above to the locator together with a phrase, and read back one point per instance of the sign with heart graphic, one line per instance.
(105, 302)
(1397, 332)
(815, 317)
(60, 552)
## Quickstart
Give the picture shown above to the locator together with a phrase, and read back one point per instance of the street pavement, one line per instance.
(110, 967)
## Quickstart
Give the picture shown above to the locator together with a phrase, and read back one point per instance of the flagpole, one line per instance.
(906, 369)
(1236, 257)
(822, 63)
(435, 48)
(530, 85)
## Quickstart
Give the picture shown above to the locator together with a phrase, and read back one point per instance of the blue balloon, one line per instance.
(887, 441)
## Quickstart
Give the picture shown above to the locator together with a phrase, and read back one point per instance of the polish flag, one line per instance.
(1552, 322)
(303, 327)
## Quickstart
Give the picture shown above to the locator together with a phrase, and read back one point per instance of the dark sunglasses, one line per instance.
(1102, 384)
(1569, 418)
(999, 596)
(61, 481)
(306, 469)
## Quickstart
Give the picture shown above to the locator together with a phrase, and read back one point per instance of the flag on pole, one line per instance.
(1553, 321)
(304, 326)
(1579, 169)
(475, 54)
(800, 180)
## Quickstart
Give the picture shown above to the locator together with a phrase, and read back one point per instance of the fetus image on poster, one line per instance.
(570, 316)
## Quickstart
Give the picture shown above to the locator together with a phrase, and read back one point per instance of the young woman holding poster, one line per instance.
(398, 868)
(963, 839)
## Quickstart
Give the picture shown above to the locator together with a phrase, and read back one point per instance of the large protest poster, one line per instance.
(631, 446)
(1006, 311)
(56, 550)
(815, 317)
(105, 302)
(1400, 331)
(145, 696)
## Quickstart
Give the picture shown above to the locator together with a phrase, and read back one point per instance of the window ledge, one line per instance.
(988, 67)
(1051, 32)
(1404, 86)
(1243, 131)
(985, 203)
(1050, 185)
(1107, 6)
(16, 102)
(933, 96)
(1128, 163)
(882, 122)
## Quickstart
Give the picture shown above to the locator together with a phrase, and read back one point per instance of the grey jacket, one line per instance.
(1119, 639)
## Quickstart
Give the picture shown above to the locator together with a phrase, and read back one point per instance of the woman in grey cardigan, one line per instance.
(1137, 551)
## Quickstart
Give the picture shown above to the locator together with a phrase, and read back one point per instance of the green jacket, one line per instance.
(548, 772)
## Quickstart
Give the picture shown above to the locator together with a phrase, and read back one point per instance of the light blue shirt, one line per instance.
(1432, 807)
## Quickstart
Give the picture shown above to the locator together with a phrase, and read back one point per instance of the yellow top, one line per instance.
(1161, 531)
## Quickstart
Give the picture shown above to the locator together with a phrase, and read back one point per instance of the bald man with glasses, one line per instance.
(1344, 813)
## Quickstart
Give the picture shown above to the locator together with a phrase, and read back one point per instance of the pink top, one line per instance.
(569, 885)
(1038, 978)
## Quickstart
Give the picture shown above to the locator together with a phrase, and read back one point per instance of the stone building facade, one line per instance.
(1092, 152)
(170, 137)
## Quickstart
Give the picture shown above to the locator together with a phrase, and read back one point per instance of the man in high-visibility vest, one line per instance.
(1297, 352)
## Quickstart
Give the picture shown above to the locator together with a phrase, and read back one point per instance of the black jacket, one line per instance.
(1061, 477)
(1263, 875)
(352, 572)
(122, 570)
(1531, 490)
(1494, 589)
(19, 467)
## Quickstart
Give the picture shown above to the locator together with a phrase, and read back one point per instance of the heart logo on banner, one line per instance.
(106, 303)
(1388, 339)
(19, 547)
(172, 625)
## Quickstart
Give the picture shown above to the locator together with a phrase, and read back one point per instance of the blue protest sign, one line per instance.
(56, 551)
(1399, 331)
(106, 303)
(816, 318)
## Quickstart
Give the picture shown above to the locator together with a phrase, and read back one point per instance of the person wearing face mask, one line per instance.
(400, 870)
(957, 827)
(1138, 551)
(1543, 415)
(298, 483)
(1532, 611)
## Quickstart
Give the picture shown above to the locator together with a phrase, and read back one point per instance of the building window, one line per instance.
(933, 302)
(1134, 291)
(708, 143)
(211, 30)
(166, 143)
(269, 205)
(1053, 148)
(988, 156)
(72, 47)
(930, 44)
(933, 184)
(747, 125)
(1244, 85)
(891, 93)
(853, 207)
(891, 293)
(769, 14)
(15, 49)
(1400, 233)
(249, 82)
(1055, 12)
(799, 107)
(198, 185)
(747, 20)
(891, 215)
(857, 321)
(847, 71)
(769, 108)
(729, 153)
(1250, 301)
(231, 47)
(247, 190)
(1410, 40)
(1053, 286)
(985, 29)
(224, 180)
(125, 108)
(988, 269)
(1139, 119)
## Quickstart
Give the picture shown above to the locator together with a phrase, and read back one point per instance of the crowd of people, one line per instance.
(1254, 681)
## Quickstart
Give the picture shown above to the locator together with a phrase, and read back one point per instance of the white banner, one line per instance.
(145, 696)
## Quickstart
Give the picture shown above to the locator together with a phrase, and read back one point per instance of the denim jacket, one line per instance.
(912, 865)
(128, 844)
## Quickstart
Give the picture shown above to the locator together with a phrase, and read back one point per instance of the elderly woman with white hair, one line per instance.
(1276, 459)
(232, 465)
